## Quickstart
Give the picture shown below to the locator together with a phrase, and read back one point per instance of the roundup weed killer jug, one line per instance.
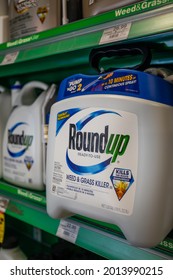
(5, 108)
(110, 154)
(22, 143)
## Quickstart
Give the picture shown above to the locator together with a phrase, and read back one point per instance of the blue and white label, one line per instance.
(18, 140)
(95, 158)
(19, 152)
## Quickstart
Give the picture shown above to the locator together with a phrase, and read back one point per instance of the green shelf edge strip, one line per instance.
(120, 13)
(140, 28)
(104, 244)
(22, 193)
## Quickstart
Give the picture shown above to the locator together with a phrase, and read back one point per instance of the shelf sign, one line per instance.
(3, 204)
(116, 33)
(67, 231)
(10, 58)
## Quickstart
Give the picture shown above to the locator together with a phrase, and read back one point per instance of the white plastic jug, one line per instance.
(4, 21)
(5, 108)
(22, 143)
(30, 17)
(110, 153)
(11, 250)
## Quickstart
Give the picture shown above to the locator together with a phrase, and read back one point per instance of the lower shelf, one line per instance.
(100, 238)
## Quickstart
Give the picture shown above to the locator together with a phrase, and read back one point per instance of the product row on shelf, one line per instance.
(23, 18)
(66, 48)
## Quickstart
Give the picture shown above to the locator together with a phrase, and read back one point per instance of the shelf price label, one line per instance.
(3, 204)
(116, 33)
(10, 58)
(68, 231)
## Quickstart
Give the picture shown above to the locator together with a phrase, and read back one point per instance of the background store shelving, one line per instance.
(65, 50)
(55, 54)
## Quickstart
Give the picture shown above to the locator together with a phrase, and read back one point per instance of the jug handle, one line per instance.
(28, 86)
(112, 51)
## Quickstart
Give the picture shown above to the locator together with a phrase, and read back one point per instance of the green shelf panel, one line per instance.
(54, 50)
(105, 245)
(112, 247)
(152, 25)
(108, 239)
(32, 215)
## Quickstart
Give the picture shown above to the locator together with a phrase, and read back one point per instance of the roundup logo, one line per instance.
(93, 142)
(20, 141)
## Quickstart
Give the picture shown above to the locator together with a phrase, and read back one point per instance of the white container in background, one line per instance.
(22, 142)
(28, 17)
(10, 250)
(4, 21)
(25, 136)
(5, 108)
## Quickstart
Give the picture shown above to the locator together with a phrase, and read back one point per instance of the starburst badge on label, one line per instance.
(42, 13)
(28, 162)
(120, 189)
(121, 179)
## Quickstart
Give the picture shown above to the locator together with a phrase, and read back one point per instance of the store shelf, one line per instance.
(55, 54)
(30, 207)
(119, 14)
(70, 44)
